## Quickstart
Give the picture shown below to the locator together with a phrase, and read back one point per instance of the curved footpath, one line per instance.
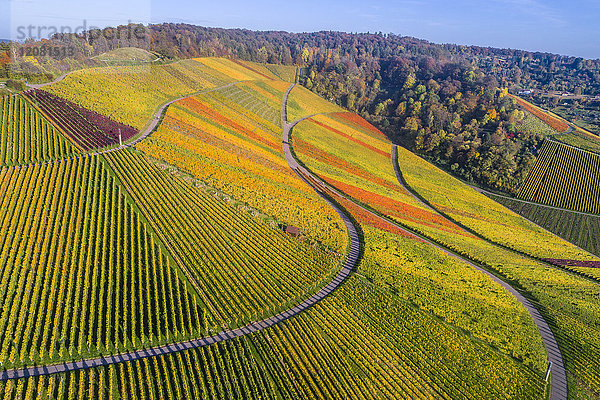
(558, 376)
(349, 264)
(150, 127)
(41, 85)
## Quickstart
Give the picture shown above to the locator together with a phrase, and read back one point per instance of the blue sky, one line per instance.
(565, 27)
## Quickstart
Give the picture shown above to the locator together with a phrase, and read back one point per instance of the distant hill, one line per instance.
(127, 54)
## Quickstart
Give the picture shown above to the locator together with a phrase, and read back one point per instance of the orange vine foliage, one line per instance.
(302, 147)
(199, 107)
(252, 69)
(396, 208)
(366, 218)
(358, 120)
(351, 138)
(551, 121)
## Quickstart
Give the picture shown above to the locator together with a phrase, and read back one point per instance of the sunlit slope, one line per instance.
(223, 139)
(130, 94)
(126, 54)
(361, 342)
(581, 139)
(359, 164)
(27, 136)
(351, 159)
(480, 213)
(302, 103)
(240, 266)
(567, 300)
(564, 176)
(82, 272)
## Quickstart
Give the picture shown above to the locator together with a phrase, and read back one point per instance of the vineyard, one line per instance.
(239, 153)
(447, 288)
(26, 136)
(333, 350)
(130, 95)
(578, 228)
(255, 98)
(82, 273)
(564, 177)
(568, 299)
(180, 236)
(581, 139)
(302, 103)
(357, 161)
(555, 122)
(242, 267)
(87, 129)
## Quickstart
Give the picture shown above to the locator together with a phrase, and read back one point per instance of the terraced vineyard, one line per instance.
(567, 299)
(581, 139)
(309, 356)
(131, 94)
(230, 148)
(564, 176)
(564, 297)
(26, 136)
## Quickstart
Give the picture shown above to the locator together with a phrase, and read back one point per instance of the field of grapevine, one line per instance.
(238, 70)
(578, 228)
(284, 72)
(180, 236)
(238, 152)
(82, 273)
(131, 94)
(302, 103)
(567, 299)
(446, 287)
(242, 267)
(482, 215)
(552, 120)
(533, 125)
(126, 56)
(362, 342)
(87, 129)
(26, 136)
(581, 139)
(350, 157)
(564, 176)
(257, 98)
